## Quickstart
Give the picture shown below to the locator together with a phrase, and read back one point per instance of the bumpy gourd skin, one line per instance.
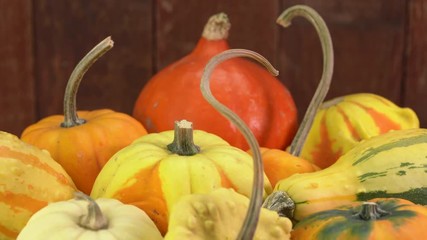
(29, 180)
(219, 215)
(148, 175)
(343, 122)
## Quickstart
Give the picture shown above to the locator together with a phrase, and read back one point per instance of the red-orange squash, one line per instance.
(83, 141)
(29, 180)
(256, 96)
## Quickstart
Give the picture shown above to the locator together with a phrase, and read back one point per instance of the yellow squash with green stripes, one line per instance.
(342, 122)
(393, 164)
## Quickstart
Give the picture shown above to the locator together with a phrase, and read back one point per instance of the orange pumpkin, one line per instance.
(256, 96)
(279, 164)
(83, 145)
(380, 218)
(29, 180)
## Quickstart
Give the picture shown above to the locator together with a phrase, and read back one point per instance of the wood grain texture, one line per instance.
(17, 108)
(179, 26)
(380, 47)
(368, 40)
(415, 86)
(67, 30)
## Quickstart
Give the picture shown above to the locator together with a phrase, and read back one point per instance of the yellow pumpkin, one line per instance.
(219, 215)
(157, 169)
(85, 219)
(29, 180)
(344, 121)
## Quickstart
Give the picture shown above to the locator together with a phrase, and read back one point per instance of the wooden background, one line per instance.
(380, 47)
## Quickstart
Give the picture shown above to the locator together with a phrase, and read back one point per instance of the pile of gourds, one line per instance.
(355, 168)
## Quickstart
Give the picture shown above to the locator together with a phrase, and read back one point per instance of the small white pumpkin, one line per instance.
(85, 219)
(219, 215)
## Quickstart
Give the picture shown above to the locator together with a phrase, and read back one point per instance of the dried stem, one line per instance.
(183, 143)
(249, 225)
(94, 219)
(328, 65)
(70, 112)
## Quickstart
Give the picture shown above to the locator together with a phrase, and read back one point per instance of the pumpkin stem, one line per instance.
(249, 225)
(95, 219)
(217, 27)
(328, 64)
(371, 211)
(70, 113)
(280, 202)
(183, 143)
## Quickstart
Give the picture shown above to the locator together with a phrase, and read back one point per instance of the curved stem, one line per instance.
(328, 65)
(94, 219)
(249, 225)
(70, 113)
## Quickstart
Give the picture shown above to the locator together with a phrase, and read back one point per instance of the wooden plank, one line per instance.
(67, 30)
(368, 39)
(416, 64)
(16, 66)
(179, 26)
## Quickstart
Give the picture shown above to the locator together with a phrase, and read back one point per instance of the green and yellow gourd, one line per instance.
(393, 164)
(380, 218)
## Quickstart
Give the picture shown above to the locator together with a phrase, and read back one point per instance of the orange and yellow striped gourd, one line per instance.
(344, 121)
(29, 180)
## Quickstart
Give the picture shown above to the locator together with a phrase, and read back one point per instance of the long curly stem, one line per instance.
(70, 113)
(249, 225)
(328, 65)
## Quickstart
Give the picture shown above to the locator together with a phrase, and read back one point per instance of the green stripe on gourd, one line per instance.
(390, 165)
(405, 142)
(417, 195)
(362, 220)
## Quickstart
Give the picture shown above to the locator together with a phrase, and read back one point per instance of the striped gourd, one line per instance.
(153, 176)
(393, 164)
(29, 180)
(380, 218)
(342, 122)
